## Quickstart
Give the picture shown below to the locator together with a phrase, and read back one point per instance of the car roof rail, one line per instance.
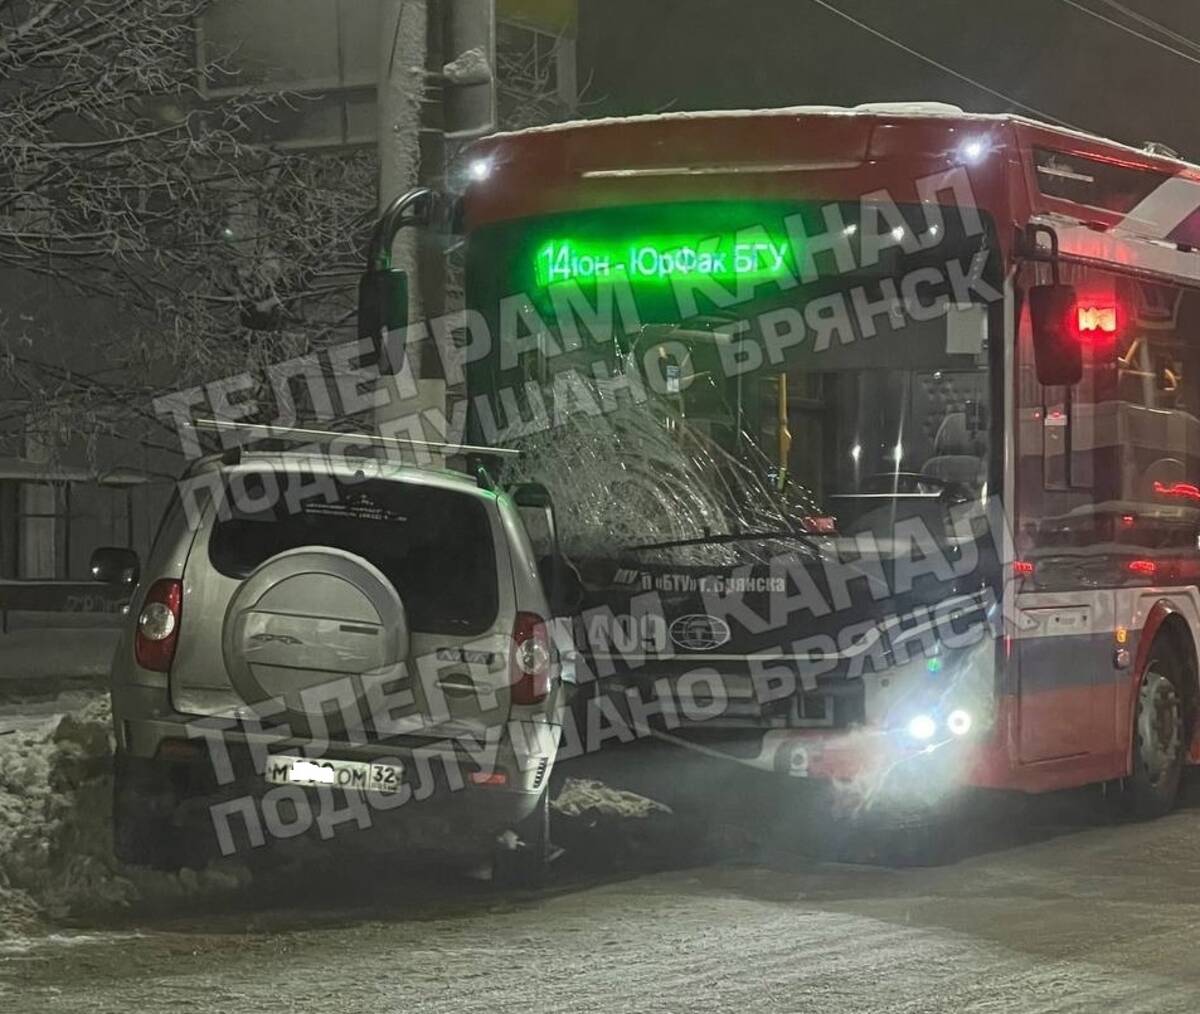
(302, 435)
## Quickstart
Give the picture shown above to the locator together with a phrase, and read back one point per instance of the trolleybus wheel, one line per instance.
(1158, 738)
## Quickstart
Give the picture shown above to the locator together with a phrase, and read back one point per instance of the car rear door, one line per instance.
(365, 607)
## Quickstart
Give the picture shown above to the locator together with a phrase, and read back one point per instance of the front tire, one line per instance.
(1159, 745)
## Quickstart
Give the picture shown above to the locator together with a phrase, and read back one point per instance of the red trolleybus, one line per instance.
(873, 433)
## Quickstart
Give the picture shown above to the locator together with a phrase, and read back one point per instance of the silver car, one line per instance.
(318, 643)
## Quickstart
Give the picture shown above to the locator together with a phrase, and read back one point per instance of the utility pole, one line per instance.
(470, 103)
(406, 396)
(449, 44)
(401, 89)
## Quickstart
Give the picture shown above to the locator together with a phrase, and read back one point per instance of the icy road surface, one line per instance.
(1093, 919)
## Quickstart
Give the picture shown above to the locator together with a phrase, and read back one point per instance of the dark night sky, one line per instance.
(646, 55)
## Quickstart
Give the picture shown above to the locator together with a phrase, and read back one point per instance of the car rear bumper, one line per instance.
(473, 786)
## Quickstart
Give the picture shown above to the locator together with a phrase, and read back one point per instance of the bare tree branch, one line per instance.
(120, 180)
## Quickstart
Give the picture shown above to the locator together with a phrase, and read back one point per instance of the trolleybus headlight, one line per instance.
(959, 722)
(922, 727)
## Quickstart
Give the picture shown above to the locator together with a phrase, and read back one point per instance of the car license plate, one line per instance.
(357, 776)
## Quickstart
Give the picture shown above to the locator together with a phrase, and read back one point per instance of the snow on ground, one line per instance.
(582, 796)
(1099, 919)
(56, 860)
(42, 713)
(55, 839)
(1074, 914)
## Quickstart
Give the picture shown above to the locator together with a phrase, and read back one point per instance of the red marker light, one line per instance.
(1097, 319)
(1023, 568)
(1127, 520)
(1144, 568)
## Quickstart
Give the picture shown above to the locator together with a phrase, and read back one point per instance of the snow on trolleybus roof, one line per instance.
(1109, 201)
(898, 110)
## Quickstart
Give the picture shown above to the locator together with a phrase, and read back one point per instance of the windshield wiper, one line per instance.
(716, 540)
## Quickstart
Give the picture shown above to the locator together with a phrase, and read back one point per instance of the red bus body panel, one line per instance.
(825, 155)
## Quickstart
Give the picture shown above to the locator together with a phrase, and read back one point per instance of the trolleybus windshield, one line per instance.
(856, 377)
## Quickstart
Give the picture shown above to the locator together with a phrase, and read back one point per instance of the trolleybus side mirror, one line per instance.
(382, 304)
(383, 290)
(1058, 352)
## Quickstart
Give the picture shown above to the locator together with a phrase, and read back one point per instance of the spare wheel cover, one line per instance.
(312, 617)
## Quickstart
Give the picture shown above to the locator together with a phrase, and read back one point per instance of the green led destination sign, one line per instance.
(750, 256)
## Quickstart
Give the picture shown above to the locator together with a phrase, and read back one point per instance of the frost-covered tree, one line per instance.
(124, 182)
(527, 82)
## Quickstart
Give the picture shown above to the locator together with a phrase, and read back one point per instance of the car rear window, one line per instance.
(434, 545)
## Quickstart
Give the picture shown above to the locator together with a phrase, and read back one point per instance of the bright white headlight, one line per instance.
(922, 727)
(480, 169)
(959, 722)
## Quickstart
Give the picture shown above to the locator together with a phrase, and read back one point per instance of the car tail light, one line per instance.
(158, 625)
(529, 663)
(489, 778)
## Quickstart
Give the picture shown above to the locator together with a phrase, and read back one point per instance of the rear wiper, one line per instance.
(716, 540)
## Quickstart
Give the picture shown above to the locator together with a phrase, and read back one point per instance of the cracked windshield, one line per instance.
(604, 504)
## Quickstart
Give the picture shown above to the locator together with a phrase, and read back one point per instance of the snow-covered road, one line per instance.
(1054, 908)
(1106, 918)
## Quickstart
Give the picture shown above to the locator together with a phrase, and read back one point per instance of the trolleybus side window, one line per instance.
(1114, 461)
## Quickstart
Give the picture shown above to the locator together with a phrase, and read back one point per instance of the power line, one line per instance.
(941, 66)
(1149, 22)
(1133, 31)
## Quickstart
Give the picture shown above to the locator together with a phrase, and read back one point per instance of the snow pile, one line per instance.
(42, 776)
(56, 855)
(580, 796)
(604, 829)
(468, 68)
